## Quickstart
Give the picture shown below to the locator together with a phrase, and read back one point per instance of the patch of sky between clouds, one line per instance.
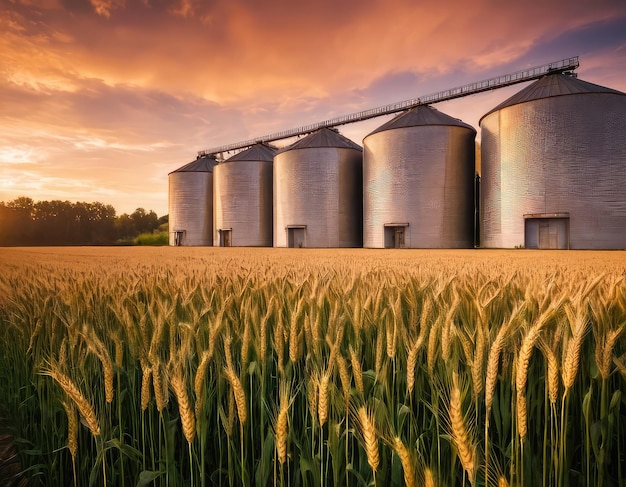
(578, 42)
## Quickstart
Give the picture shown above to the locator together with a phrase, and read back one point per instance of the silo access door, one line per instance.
(295, 236)
(395, 235)
(546, 231)
(226, 237)
(178, 237)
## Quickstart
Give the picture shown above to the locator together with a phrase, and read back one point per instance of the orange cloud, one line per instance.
(112, 94)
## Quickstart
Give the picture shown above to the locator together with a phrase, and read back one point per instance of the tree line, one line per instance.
(26, 222)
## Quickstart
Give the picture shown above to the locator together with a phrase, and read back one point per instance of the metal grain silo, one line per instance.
(242, 198)
(418, 182)
(191, 203)
(554, 167)
(318, 192)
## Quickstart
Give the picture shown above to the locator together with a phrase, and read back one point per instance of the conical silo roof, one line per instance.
(201, 164)
(324, 137)
(257, 152)
(552, 85)
(421, 115)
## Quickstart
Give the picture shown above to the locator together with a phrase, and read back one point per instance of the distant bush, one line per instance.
(161, 238)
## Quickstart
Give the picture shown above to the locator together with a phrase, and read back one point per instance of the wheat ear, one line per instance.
(161, 390)
(460, 433)
(606, 355)
(357, 371)
(522, 417)
(369, 437)
(282, 423)
(146, 377)
(553, 371)
(83, 405)
(406, 461)
(478, 362)
(187, 416)
(429, 478)
(322, 404)
(240, 396)
(72, 428)
(411, 363)
(572, 357)
(198, 382)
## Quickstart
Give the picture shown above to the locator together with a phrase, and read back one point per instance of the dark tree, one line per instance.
(24, 222)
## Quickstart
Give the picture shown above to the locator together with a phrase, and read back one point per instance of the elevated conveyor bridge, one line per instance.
(568, 64)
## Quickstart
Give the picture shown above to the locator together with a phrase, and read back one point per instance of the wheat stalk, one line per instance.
(72, 428)
(571, 360)
(552, 372)
(263, 330)
(229, 424)
(460, 434)
(246, 339)
(431, 351)
(279, 345)
(282, 422)
(119, 350)
(294, 335)
(228, 340)
(312, 392)
(406, 461)
(83, 405)
(447, 328)
(528, 344)
(522, 416)
(99, 349)
(146, 377)
(187, 416)
(478, 362)
(391, 333)
(322, 404)
(335, 345)
(198, 382)
(344, 375)
(357, 371)
(216, 328)
(493, 360)
(429, 478)
(369, 438)
(161, 390)
(411, 362)
(604, 356)
(240, 397)
(379, 352)
(523, 359)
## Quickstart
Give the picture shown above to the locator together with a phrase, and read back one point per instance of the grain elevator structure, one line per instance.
(318, 192)
(418, 182)
(554, 167)
(242, 198)
(553, 176)
(190, 203)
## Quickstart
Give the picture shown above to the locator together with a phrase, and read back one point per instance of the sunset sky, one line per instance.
(101, 99)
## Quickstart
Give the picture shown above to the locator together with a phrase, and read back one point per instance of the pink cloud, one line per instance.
(117, 93)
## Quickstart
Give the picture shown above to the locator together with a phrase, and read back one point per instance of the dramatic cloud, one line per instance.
(102, 98)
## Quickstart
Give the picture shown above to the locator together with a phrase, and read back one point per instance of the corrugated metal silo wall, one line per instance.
(242, 196)
(423, 176)
(563, 154)
(191, 207)
(321, 188)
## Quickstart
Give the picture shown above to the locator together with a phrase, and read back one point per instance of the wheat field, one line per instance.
(222, 366)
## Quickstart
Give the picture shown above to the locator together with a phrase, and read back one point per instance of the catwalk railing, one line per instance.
(501, 81)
